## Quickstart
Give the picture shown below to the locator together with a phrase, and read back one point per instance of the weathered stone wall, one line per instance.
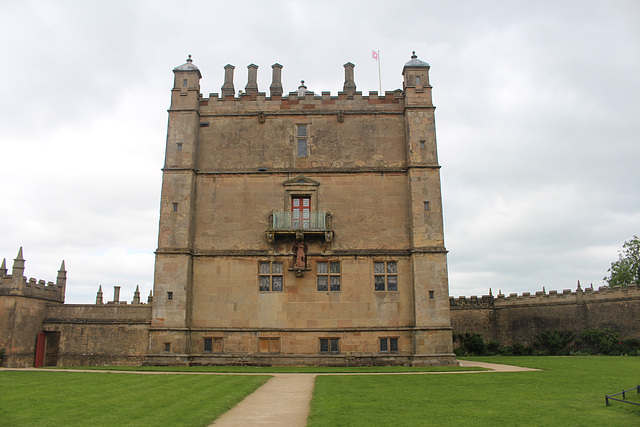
(521, 318)
(109, 334)
(20, 321)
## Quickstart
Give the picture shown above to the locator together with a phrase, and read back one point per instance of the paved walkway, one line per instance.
(285, 399)
(282, 401)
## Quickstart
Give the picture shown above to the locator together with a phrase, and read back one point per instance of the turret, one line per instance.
(17, 275)
(61, 280)
(136, 296)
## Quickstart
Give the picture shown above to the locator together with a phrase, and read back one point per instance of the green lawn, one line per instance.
(281, 369)
(110, 399)
(569, 392)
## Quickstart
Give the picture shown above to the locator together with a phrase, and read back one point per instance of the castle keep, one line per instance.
(295, 228)
(301, 228)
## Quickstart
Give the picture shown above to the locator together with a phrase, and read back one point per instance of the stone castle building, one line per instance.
(301, 228)
(295, 228)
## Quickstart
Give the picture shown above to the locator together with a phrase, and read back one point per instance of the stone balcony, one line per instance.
(300, 225)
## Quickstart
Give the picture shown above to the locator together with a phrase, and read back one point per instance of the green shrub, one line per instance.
(555, 342)
(604, 341)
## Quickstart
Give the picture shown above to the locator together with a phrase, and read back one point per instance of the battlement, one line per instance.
(186, 93)
(18, 285)
(553, 297)
(215, 104)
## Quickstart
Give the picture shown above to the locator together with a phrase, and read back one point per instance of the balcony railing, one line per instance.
(305, 221)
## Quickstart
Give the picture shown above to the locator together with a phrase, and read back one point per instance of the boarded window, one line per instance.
(270, 345)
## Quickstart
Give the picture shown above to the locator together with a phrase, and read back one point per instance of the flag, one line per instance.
(374, 55)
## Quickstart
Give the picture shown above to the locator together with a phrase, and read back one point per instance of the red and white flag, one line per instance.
(374, 55)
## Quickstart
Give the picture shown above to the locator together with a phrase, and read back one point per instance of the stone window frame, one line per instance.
(270, 275)
(388, 343)
(385, 275)
(215, 345)
(332, 345)
(167, 347)
(329, 274)
(298, 138)
(300, 186)
(271, 345)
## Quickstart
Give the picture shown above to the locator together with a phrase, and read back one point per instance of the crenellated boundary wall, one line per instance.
(520, 318)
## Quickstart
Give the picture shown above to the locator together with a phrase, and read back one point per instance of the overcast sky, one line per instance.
(537, 122)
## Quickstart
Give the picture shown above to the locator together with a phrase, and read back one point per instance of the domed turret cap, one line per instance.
(414, 62)
(188, 66)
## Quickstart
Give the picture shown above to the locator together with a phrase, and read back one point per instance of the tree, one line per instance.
(626, 270)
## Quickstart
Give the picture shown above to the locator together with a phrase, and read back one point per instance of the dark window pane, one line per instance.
(302, 148)
(302, 130)
(207, 345)
(393, 344)
(379, 283)
(335, 283)
(378, 267)
(392, 267)
(335, 268)
(276, 267)
(322, 283)
(324, 345)
(264, 268)
(277, 284)
(392, 283)
(322, 268)
(264, 283)
(384, 344)
(334, 345)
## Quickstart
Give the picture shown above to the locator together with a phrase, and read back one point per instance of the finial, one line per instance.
(413, 55)
(490, 294)
(189, 58)
(579, 285)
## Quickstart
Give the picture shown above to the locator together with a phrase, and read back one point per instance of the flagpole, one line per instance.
(379, 77)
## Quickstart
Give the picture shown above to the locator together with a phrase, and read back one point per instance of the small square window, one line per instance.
(167, 347)
(329, 345)
(427, 206)
(423, 143)
(179, 146)
(185, 82)
(174, 207)
(169, 295)
(417, 80)
(388, 345)
(431, 294)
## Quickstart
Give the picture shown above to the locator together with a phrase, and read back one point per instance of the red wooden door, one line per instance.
(40, 346)
(301, 212)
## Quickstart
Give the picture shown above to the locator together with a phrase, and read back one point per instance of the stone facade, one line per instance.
(360, 277)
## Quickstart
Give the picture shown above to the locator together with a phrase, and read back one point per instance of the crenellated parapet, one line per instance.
(553, 297)
(17, 284)
(473, 302)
